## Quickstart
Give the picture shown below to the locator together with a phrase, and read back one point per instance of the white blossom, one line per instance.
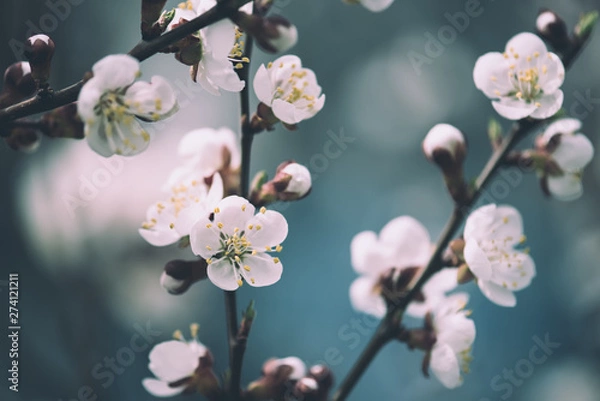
(434, 292)
(571, 151)
(290, 90)
(402, 243)
(455, 334)
(110, 105)
(492, 234)
(174, 362)
(215, 71)
(235, 244)
(204, 152)
(189, 201)
(523, 81)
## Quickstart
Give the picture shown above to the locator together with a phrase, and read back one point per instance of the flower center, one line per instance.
(113, 107)
(234, 247)
(525, 81)
(293, 89)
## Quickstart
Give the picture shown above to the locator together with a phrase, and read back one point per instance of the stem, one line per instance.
(141, 51)
(237, 344)
(394, 314)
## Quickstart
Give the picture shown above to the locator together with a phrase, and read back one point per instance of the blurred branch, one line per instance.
(390, 324)
(142, 51)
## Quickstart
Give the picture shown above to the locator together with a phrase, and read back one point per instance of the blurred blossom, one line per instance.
(110, 102)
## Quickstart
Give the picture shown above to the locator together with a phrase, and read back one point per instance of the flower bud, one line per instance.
(445, 145)
(293, 181)
(151, 12)
(179, 275)
(273, 34)
(39, 50)
(278, 376)
(306, 389)
(18, 84)
(324, 377)
(552, 28)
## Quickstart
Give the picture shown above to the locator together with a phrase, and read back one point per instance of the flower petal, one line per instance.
(219, 38)
(153, 101)
(497, 294)
(477, 260)
(220, 73)
(116, 71)
(513, 109)
(574, 152)
(368, 256)
(96, 137)
(264, 270)
(567, 187)
(376, 5)
(223, 275)
(204, 238)
(491, 75)
(445, 366)
(173, 360)
(478, 222)
(409, 239)
(562, 126)
(263, 87)
(553, 73)
(549, 105)
(160, 388)
(526, 44)
(234, 212)
(365, 298)
(272, 232)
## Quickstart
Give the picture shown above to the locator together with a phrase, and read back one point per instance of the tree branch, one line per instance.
(391, 322)
(141, 51)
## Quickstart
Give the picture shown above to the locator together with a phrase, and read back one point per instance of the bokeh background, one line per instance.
(87, 280)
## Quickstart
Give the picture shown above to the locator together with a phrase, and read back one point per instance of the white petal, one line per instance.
(376, 5)
(491, 75)
(189, 216)
(181, 13)
(89, 98)
(116, 71)
(298, 367)
(285, 111)
(550, 104)
(457, 331)
(96, 137)
(443, 281)
(220, 38)
(234, 212)
(220, 72)
(153, 101)
(507, 226)
(204, 238)
(478, 222)
(553, 74)
(365, 299)
(263, 86)
(477, 260)
(223, 275)
(127, 137)
(263, 270)
(445, 366)
(497, 294)
(562, 126)
(368, 255)
(160, 237)
(567, 187)
(526, 44)
(204, 149)
(273, 230)
(409, 239)
(513, 109)
(574, 152)
(215, 193)
(161, 389)
(173, 360)
(515, 271)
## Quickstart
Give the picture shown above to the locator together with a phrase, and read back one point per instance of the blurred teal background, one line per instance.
(88, 281)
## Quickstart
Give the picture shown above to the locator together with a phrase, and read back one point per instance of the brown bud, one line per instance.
(18, 84)
(39, 50)
(151, 13)
(179, 275)
(273, 34)
(554, 29)
(464, 275)
(63, 122)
